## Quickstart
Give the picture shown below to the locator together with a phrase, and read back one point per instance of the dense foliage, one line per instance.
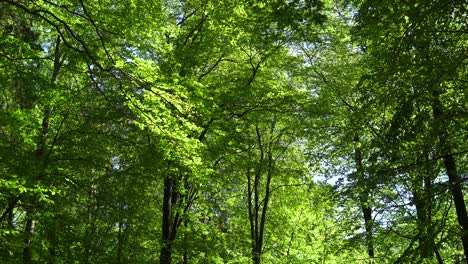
(222, 131)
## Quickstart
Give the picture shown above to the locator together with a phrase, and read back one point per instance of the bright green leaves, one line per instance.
(208, 94)
(12, 184)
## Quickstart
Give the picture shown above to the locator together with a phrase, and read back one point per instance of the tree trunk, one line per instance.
(185, 258)
(256, 253)
(455, 180)
(172, 218)
(259, 209)
(169, 228)
(364, 200)
(457, 193)
(368, 223)
(438, 256)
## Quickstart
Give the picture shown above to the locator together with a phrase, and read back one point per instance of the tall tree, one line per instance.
(418, 58)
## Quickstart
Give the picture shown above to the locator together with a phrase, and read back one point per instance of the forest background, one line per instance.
(233, 131)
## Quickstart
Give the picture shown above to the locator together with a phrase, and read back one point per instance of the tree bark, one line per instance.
(457, 193)
(368, 224)
(450, 165)
(185, 257)
(169, 228)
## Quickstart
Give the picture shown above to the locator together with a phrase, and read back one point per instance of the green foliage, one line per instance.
(311, 112)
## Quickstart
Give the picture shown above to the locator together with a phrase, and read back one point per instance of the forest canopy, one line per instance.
(222, 131)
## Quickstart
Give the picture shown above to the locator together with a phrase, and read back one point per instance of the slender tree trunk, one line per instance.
(258, 209)
(251, 212)
(365, 201)
(455, 180)
(253, 207)
(256, 235)
(457, 193)
(265, 205)
(172, 219)
(368, 223)
(438, 256)
(185, 258)
(168, 225)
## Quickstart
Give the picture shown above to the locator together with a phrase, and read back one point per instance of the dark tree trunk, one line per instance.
(166, 254)
(457, 193)
(455, 180)
(368, 223)
(173, 218)
(185, 258)
(168, 225)
(438, 256)
(29, 233)
(256, 255)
